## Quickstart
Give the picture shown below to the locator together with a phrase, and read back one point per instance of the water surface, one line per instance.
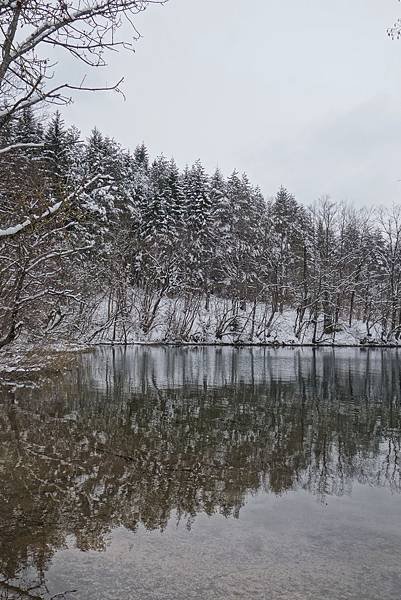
(212, 473)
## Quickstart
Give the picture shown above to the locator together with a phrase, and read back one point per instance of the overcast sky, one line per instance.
(304, 93)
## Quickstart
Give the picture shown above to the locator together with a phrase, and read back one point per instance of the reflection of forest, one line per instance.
(134, 436)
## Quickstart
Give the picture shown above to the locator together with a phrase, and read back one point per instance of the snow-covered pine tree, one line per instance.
(199, 238)
(288, 222)
(57, 152)
(221, 231)
(141, 157)
(244, 217)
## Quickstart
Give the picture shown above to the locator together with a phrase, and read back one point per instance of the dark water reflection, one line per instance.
(141, 439)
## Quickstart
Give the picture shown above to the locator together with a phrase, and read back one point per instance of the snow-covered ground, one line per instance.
(181, 321)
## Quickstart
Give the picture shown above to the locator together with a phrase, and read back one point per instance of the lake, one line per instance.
(204, 473)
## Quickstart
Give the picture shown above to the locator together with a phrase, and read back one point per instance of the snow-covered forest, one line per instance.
(100, 244)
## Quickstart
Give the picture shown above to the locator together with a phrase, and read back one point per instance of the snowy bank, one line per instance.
(218, 322)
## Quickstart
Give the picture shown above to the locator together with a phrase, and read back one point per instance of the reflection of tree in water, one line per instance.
(130, 440)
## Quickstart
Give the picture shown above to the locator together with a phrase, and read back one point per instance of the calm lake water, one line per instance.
(212, 473)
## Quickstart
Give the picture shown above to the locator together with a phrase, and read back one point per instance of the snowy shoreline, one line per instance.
(177, 323)
(270, 345)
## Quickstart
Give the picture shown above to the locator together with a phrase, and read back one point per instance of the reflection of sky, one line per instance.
(304, 94)
(286, 547)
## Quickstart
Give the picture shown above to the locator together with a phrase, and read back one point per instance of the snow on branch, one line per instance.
(84, 29)
(21, 146)
(14, 229)
(50, 211)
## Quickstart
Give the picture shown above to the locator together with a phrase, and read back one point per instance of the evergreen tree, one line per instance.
(141, 157)
(199, 234)
(57, 154)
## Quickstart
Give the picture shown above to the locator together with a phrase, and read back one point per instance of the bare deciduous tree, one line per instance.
(85, 29)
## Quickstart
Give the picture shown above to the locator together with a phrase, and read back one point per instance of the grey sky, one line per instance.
(304, 93)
